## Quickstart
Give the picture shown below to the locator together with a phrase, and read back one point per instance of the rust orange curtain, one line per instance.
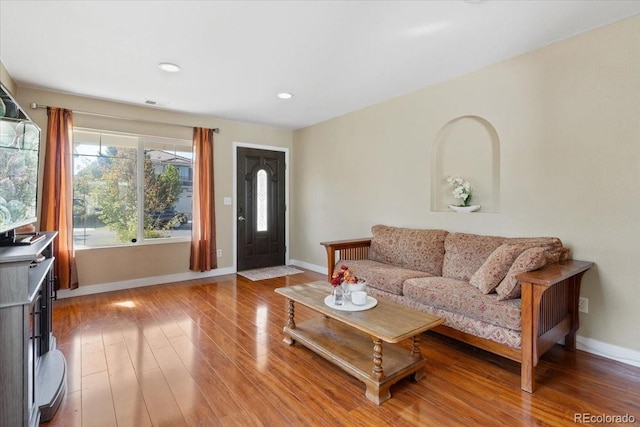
(57, 194)
(203, 224)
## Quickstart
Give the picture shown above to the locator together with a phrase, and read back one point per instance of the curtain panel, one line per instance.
(57, 194)
(203, 229)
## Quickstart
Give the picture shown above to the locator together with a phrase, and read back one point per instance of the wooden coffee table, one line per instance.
(353, 340)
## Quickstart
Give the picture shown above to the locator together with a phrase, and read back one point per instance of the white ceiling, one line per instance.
(334, 56)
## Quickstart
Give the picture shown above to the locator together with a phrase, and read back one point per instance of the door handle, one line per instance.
(241, 218)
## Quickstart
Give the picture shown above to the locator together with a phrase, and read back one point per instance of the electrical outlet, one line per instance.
(583, 305)
(219, 253)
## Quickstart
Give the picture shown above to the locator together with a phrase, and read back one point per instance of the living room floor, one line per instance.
(209, 352)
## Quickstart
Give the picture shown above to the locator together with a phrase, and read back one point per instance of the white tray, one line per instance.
(348, 306)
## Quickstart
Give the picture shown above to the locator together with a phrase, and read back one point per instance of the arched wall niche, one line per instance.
(469, 147)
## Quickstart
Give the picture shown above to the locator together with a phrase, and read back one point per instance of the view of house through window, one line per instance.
(130, 188)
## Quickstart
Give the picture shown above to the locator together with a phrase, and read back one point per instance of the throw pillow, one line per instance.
(531, 259)
(495, 268)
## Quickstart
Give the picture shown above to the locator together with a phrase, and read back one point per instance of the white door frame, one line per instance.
(234, 221)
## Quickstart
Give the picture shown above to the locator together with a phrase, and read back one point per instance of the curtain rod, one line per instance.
(35, 106)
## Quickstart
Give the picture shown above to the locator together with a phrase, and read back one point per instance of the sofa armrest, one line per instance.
(550, 297)
(554, 273)
(348, 249)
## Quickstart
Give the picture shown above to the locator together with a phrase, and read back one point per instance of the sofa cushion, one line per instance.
(531, 242)
(465, 324)
(414, 249)
(528, 260)
(465, 254)
(459, 297)
(554, 249)
(382, 276)
(495, 268)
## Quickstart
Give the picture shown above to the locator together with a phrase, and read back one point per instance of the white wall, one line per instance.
(567, 117)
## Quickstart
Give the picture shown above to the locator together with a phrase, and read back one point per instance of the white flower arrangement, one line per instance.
(461, 189)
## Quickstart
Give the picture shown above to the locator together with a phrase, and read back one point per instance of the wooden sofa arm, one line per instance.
(551, 274)
(348, 249)
(550, 298)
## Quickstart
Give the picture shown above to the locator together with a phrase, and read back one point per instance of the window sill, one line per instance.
(149, 242)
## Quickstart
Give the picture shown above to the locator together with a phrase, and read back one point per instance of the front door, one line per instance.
(260, 208)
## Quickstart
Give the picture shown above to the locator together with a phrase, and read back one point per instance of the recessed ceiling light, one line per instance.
(168, 67)
(285, 95)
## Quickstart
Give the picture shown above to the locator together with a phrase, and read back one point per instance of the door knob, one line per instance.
(241, 218)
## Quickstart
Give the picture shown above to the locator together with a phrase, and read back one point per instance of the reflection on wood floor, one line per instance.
(209, 352)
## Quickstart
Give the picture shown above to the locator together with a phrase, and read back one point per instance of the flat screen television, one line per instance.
(19, 154)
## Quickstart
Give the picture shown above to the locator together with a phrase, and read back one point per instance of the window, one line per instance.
(130, 188)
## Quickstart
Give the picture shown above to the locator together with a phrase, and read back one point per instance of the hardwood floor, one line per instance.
(209, 352)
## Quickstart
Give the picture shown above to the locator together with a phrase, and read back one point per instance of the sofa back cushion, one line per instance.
(414, 249)
(554, 250)
(465, 254)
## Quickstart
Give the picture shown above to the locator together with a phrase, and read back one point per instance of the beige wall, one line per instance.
(107, 265)
(567, 118)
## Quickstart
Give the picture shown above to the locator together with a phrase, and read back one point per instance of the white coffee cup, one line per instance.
(359, 297)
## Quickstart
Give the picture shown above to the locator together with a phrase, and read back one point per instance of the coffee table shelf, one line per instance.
(351, 350)
(353, 341)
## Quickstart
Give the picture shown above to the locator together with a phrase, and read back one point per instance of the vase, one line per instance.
(464, 209)
(338, 295)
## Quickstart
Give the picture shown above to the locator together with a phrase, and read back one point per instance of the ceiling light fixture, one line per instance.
(285, 95)
(168, 67)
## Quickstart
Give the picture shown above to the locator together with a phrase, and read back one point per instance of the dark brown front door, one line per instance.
(261, 208)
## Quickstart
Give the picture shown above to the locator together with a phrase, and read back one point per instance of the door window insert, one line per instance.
(262, 202)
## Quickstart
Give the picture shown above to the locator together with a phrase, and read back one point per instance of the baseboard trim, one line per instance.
(609, 351)
(589, 345)
(138, 283)
(308, 266)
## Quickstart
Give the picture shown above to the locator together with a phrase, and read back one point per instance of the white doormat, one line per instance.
(269, 272)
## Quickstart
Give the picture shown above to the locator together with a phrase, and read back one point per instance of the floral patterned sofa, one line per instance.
(515, 297)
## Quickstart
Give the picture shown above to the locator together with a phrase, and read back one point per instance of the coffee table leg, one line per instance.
(415, 349)
(416, 354)
(291, 323)
(378, 373)
(376, 391)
